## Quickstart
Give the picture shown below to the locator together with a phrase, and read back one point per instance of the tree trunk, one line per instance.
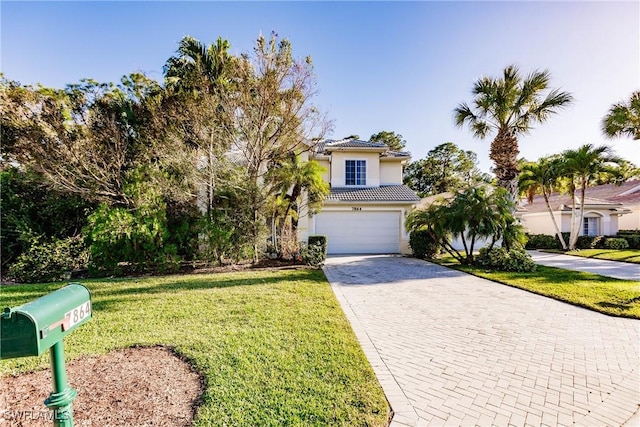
(504, 153)
(555, 223)
(575, 229)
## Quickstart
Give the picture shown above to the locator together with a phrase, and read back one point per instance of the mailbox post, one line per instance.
(33, 328)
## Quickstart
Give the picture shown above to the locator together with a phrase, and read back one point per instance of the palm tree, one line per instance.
(623, 118)
(296, 185)
(542, 177)
(510, 106)
(197, 67)
(583, 166)
(473, 214)
(195, 77)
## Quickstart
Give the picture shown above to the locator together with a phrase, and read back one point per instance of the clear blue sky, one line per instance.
(397, 66)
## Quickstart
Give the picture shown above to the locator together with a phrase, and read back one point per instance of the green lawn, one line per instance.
(274, 347)
(603, 294)
(624, 255)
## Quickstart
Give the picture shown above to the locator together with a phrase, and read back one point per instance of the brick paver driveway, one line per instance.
(453, 349)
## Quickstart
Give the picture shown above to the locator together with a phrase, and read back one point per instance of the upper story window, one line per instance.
(356, 172)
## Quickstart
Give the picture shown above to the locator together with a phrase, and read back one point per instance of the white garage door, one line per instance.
(360, 232)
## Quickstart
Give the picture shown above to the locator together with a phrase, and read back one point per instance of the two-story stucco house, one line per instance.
(366, 209)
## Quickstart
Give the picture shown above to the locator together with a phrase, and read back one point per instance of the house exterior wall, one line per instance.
(327, 166)
(390, 173)
(338, 167)
(630, 221)
(541, 223)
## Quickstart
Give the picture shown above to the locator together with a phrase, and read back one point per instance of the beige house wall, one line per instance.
(390, 173)
(630, 221)
(326, 175)
(541, 223)
(338, 167)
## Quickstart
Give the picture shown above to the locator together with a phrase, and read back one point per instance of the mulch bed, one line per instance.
(140, 386)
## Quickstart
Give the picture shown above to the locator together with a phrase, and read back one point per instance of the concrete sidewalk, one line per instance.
(453, 349)
(618, 270)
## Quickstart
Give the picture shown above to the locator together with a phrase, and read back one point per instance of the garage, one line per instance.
(360, 232)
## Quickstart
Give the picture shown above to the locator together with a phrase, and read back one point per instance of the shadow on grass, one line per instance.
(156, 285)
(606, 304)
(543, 275)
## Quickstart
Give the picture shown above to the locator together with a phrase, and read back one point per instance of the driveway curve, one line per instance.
(452, 349)
(603, 267)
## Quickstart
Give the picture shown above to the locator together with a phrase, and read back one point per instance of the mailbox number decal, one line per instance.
(79, 313)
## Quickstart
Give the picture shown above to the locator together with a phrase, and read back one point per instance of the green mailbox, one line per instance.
(32, 328)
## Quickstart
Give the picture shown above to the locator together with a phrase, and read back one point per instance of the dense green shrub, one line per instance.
(616, 243)
(315, 253)
(588, 242)
(28, 207)
(50, 261)
(423, 245)
(502, 259)
(631, 236)
(542, 241)
(129, 241)
(183, 226)
(635, 232)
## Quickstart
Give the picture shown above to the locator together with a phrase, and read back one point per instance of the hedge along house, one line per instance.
(366, 209)
(607, 209)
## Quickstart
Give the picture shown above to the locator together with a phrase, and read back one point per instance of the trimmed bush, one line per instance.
(315, 253)
(542, 241)
(616, 243)
(50, 261)
(631, 236)
(423, 245)
(587, 242)
(502, 260)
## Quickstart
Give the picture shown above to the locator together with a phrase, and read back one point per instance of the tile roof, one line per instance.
(384, 193)
(322, 146)
(391, 153)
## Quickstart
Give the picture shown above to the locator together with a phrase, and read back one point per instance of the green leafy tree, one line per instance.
(446, 168)
(32, 212)
(542, 177)
(509, 106)
(196, 78)
(623, 119)
(395, 141)
(583, 166)
(271, 108)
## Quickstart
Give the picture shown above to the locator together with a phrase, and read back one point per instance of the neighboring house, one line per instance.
(366, 209)
(607, 209)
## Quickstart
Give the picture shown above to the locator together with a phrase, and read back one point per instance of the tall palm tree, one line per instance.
(509, 106)
(542, 177)
(583, 166)
(623, 118)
